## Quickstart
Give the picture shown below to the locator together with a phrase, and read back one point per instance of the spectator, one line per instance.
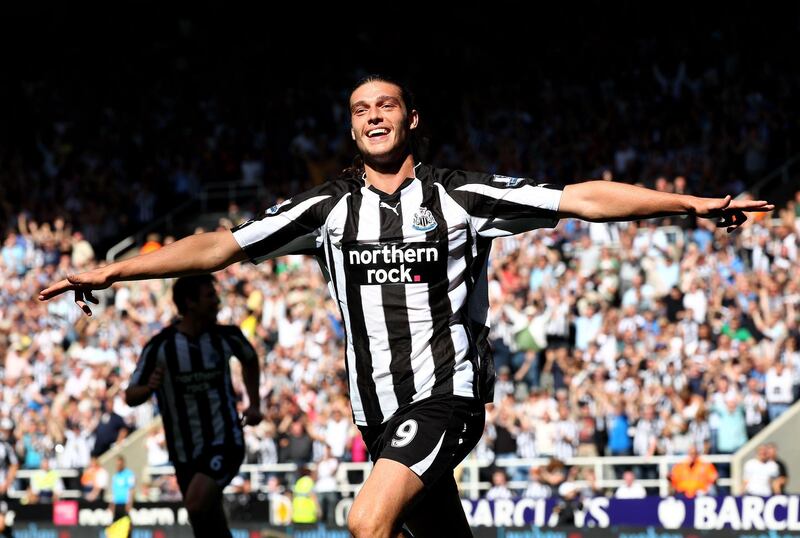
(755, 408)
(305, 506)
(780, 481)
(731, 430)
(536, 488)
(619, 441)
(568, 503)
(778, 389)
(327, 486)
(46, 485)
(645, 439)
(693, 476)
(94, 480)
(566, 435)
(296, 445)
(499, 489)
(630, 489)
(110, 430)
(759, 473)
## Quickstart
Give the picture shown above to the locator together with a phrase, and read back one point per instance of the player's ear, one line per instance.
(352, 134)
(413, 119)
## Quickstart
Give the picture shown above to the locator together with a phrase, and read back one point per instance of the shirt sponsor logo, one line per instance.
(423, 220)
(198, 381)
(394, 263)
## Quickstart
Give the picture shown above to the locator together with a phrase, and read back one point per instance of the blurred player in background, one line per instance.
(186, 366)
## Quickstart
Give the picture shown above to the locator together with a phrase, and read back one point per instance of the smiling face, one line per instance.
(381, 123)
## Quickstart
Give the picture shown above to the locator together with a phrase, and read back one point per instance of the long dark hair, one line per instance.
(417, 142)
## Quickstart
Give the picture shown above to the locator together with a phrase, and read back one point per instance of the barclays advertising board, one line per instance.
(777, 513)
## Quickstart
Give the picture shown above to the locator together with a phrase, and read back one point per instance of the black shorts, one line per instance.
(220, 463)
(120, 511)
(429, 437)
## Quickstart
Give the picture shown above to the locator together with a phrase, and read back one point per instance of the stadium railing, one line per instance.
(350, 476)
(470, 483)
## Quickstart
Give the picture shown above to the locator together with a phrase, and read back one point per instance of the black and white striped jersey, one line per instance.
(196, 397)
(408, 271)
(8, 458)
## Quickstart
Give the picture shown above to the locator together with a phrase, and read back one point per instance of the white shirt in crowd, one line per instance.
(634, 491)
(698, 302)
(498, 492)
(778, 388)
(758, 477)
(537, 490)
(336, 435)
(326, 475)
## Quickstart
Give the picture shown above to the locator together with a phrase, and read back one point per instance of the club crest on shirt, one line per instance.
(423, 220)
(509, 181)
(274, 209)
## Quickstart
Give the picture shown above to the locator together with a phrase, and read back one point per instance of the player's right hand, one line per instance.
(252, 416)
(82, 284)
(154, 382)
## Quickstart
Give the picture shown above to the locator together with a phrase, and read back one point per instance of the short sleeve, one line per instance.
(502, 205)
(292, 226)
(147, 361)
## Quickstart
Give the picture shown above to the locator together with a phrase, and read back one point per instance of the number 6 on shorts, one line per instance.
(405, 433)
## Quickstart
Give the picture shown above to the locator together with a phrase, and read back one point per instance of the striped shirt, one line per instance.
(196, 398)
(408, 271)
(8, 458)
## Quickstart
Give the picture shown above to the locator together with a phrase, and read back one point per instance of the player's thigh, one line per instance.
(438, 512)
(203, 494)
(203, 481)
(387, 493)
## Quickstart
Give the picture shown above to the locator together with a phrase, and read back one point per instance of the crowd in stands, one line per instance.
(660, 337)
(672, 338)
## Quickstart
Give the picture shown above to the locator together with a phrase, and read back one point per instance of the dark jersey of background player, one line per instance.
(196, 399)
(186, 365)
(9, 464)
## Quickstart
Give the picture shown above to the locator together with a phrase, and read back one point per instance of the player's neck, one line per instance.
(389, 178)
(192, 326)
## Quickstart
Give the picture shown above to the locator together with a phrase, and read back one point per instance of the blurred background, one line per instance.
(635, 361)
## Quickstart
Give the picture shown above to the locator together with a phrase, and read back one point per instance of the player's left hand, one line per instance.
(731, 213)
(252, 416)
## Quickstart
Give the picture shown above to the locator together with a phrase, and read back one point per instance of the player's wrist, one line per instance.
(112, 273)
(689, 204)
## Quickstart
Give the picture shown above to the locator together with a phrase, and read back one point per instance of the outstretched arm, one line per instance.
(200, 253)
(604, 201)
